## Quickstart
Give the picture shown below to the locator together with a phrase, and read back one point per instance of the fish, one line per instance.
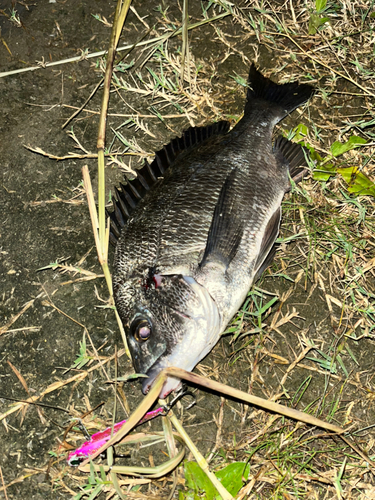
(198, 226)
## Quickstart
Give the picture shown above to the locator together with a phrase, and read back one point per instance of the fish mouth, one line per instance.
(171, 384)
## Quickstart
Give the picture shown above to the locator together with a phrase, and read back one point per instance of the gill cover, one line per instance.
(200, 327)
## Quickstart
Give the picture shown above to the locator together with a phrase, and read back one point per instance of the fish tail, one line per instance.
(287, 96)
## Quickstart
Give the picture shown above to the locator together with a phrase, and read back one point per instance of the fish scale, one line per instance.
(194, 238)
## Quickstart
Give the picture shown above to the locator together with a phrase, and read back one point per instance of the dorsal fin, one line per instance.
(128, 195)
(295, 156)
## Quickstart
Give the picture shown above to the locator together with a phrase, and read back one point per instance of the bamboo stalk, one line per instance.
(120, 15)
(154, 392)
(249, 398)
(185, 48)
(101, 229)
(213, 385)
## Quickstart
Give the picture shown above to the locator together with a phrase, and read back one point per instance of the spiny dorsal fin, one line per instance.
(128, 196)
(294, 155)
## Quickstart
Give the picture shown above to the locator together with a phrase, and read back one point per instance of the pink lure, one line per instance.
(99, 438)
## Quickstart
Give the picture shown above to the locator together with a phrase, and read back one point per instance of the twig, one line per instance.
(14, 318)
(2, 482)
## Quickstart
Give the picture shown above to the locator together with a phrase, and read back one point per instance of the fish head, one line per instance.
(174, 322)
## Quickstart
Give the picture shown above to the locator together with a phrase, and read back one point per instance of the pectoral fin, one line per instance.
(268, 248)
(226, 228)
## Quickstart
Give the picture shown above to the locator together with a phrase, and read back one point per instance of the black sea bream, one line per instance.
(198, 225)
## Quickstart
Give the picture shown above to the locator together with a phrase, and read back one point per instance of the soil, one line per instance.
(45, 220)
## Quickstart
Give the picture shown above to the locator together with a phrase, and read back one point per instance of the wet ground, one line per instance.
(45, 220)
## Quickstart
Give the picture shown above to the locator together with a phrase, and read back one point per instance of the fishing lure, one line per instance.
(99, 438)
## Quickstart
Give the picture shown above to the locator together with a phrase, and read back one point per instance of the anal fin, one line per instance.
(226, 228)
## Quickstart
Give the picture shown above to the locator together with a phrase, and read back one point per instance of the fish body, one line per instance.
(198, 226)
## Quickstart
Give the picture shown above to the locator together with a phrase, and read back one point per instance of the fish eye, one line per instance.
(141, 330)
